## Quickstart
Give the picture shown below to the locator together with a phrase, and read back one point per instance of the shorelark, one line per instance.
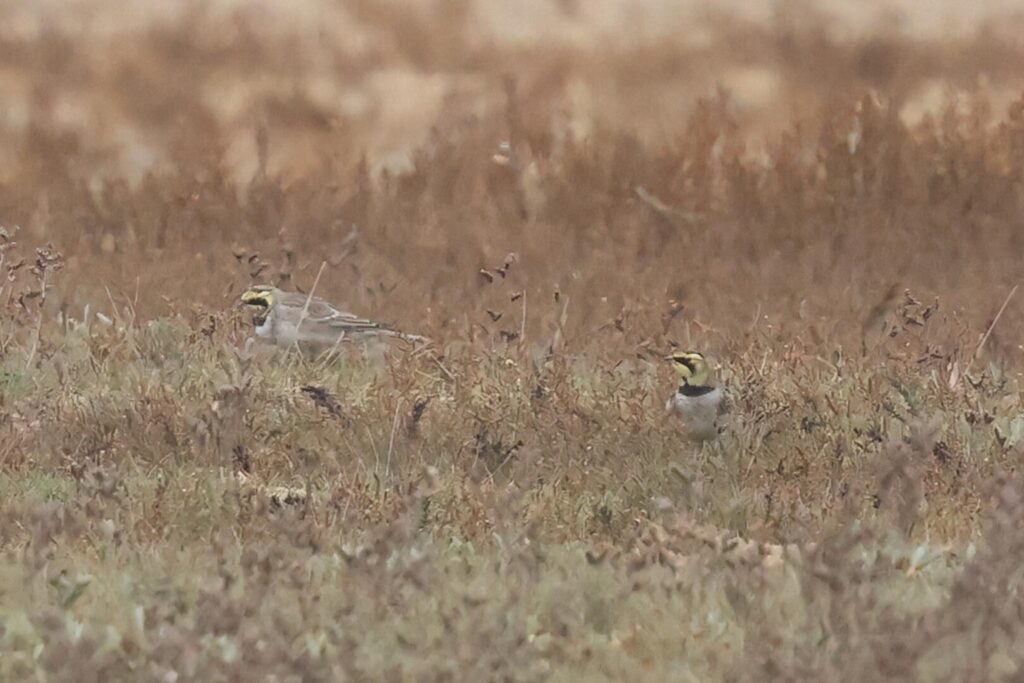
(696, 402)
(293, 318)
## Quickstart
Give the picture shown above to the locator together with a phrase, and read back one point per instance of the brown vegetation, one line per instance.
(510, 504)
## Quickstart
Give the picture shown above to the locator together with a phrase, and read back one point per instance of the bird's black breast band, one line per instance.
(690, 390)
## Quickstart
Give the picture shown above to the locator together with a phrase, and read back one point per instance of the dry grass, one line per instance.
(510, 504)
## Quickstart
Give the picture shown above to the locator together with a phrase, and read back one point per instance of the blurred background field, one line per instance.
(827, 198)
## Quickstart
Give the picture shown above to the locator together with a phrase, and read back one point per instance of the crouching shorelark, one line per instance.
(293, 318)
(695, 402)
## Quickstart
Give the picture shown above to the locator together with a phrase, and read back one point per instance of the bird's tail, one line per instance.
(417, 338)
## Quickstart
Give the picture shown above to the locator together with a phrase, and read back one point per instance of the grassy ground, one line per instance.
(510, 502)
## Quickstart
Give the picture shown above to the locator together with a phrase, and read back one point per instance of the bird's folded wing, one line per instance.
(323, 313)
(348, 321)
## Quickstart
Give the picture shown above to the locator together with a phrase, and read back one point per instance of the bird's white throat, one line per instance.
(264, 327)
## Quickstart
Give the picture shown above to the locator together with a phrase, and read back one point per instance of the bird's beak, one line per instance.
(668, 357)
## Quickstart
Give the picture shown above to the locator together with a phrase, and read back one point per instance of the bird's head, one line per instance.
(261, 296)
(691, 366)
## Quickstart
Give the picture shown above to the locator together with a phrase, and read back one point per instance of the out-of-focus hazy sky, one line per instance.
(527, 20)
(389, 70)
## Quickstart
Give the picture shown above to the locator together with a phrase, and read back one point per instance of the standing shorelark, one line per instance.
(696, 402)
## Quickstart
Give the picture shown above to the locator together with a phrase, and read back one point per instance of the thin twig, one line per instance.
(309, 297)
(113, 306)
(664, 209)
(376, 453)
(988, 332)
(391, 442)
(39, 325)
(329, 354)
(522, 325)
(508, 456)
(35, 343)
(445, 370)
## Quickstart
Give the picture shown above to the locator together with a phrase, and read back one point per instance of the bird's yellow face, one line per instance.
(260, 297)
(691, 366)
